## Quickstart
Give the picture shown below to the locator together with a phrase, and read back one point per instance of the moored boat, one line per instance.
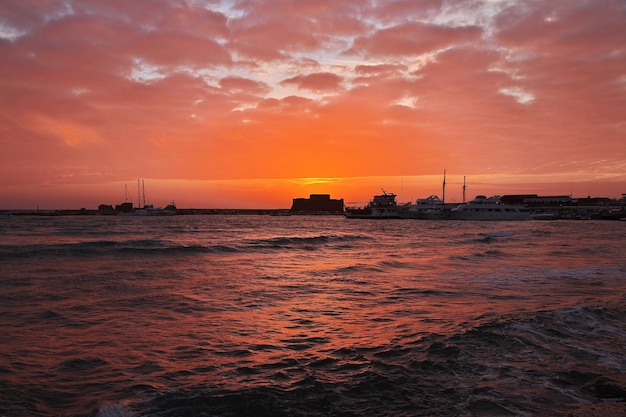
(483, 208)
(150, 210)
(147, 209)
(432, 208)
(382, 206)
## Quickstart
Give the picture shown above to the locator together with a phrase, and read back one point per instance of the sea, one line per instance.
(257, 315)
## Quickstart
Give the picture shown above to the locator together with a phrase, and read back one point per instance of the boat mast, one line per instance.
(463, 189)
(143, 189)
(138, 194)
(443, 200)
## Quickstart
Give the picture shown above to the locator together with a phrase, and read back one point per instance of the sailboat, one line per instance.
(149, 209)
(125, 207)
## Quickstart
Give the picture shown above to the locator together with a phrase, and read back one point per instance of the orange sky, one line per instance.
(250, 103)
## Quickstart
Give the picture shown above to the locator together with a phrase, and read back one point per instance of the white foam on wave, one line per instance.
(590, 322)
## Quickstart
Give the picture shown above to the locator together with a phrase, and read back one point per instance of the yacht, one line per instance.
(432, 208)
(483, 208)
(383, 206)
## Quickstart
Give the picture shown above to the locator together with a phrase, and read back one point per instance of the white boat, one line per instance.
(383, 206)
(483, 208)
(168, 210)
(432, 208)
(150, 210)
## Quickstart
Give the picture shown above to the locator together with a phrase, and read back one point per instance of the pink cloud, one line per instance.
(238, 84)
(324, 81)
(369, 70)
(392, 12)
(175, 49)
(413, 39)
(271, 31)
(565, 25)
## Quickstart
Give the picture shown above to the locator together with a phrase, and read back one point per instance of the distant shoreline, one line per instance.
(179, 212)
(194, 211)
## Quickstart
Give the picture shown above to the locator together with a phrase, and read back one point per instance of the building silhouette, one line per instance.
(317, 204)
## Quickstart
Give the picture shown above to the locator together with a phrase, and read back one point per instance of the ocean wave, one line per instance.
(245, 315)
(108, 247)
(588, 337)
(346, 273)
(386, 264)
(114, 410)
(497, 234)
(493, 253)
(81, 364)
(522, 365)
(302, 242)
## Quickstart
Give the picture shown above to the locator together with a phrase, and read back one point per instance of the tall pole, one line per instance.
(444, 187)
(463, 189)
(143, 189)
(138, 194)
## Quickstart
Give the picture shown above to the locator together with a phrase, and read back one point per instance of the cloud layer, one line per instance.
(103, 91)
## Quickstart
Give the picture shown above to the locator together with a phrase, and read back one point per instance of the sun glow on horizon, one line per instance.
(278, 192)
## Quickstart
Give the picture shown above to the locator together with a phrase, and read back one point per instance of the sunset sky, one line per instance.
(250, 103)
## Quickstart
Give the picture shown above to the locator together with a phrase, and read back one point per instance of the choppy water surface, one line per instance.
(306, 316)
